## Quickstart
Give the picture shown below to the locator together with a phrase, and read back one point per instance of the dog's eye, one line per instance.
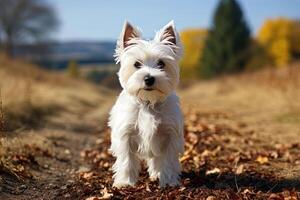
(160, 64)
(137, 65)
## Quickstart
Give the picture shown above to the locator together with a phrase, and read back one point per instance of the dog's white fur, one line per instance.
(147, 124)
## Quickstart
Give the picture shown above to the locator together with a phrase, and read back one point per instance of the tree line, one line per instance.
(227, 46)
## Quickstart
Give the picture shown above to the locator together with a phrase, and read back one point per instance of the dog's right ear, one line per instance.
(128, 34)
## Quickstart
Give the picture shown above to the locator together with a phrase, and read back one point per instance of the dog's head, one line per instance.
(149, 69)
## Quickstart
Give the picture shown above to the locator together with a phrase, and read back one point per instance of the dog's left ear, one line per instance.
(169, 36)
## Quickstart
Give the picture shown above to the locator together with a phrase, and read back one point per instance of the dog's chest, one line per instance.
(148, 124)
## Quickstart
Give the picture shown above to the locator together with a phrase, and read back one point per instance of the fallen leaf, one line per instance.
(83, 154)
(106, 194)
(274, 196)
(213, 171)
(185, 157)
(211, 198)
(240, 169)
(83, 169)
(67, 151)
(87, 175)
(93, 198)
(290, 195)
(205, 153)
(274, 154)
(247, 191)
(99, 141)
(148, 188)
(262, 159)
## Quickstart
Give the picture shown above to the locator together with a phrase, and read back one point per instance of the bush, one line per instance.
(97, 76)
(72, 69)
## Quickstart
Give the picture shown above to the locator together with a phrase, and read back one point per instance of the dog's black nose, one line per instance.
(149, 80)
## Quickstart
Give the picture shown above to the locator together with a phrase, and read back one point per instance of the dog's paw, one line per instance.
(118, 184)
(171, 184)
(171, 181)
(153, 178)
(174, 183)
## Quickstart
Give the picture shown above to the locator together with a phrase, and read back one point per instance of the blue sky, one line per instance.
(103, 19)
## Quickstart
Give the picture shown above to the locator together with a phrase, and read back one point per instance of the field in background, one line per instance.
(267, 100)
(103, 74)
(54, 140)
(26, 90)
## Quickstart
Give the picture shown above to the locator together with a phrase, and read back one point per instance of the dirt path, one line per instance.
(221, 161)
(51, 170)
(45, 161)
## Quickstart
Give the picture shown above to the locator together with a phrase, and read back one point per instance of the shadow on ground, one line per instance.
(230, 180)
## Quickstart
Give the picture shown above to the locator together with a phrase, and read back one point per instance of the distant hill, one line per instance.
(57, 55)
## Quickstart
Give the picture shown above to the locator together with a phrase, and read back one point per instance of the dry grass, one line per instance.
(1, 114)
(36, 104)
(30, 94)
(268, 100)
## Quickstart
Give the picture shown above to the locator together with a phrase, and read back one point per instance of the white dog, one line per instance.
(146, 120)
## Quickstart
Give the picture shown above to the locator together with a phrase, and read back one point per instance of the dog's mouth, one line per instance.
(148, 89)
(152, 89)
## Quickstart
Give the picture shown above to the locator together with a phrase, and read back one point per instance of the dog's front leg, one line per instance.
(166, 167)
(127, 165)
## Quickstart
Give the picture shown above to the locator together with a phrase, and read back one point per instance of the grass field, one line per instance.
(242, 137)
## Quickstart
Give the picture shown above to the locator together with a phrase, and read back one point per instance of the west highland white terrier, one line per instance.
(146, 120)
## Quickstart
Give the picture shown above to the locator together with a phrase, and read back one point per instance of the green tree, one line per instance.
(72, 69)
(226, 46)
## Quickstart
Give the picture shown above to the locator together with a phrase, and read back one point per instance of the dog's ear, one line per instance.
(168, 34)
(129, 32)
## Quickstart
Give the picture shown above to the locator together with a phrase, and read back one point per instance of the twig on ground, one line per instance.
(2, 120)
(270, 190)
(235, 178)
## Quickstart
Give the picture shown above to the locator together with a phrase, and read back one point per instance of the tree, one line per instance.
(257, 56)
(25, 20)
(280, 37)
(296, 39)
(193, 42)
(227, 43)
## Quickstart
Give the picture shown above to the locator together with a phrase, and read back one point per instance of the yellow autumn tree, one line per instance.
(296, 38)
(281, 40)
(193, 42)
